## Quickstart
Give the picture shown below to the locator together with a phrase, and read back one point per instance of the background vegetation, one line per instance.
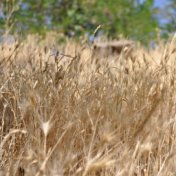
(134, 19)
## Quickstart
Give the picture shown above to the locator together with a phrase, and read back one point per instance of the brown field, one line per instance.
(77, 114)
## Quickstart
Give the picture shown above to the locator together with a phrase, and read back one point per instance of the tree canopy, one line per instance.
(133, 19)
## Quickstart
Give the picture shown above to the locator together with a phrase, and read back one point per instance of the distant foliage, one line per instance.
(129, 18)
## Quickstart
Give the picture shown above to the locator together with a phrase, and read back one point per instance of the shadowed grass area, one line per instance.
(66, 111)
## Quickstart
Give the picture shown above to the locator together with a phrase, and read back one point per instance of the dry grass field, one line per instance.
(77, 114)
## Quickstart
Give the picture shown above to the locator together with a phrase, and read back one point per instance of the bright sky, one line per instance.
(158, 3)
(161, 3)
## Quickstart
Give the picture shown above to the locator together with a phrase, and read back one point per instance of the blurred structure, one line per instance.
(104, 49)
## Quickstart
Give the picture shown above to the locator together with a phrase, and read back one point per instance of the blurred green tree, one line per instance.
(131, 18)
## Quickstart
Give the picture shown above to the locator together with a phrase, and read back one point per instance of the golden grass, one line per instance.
(84, 115)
